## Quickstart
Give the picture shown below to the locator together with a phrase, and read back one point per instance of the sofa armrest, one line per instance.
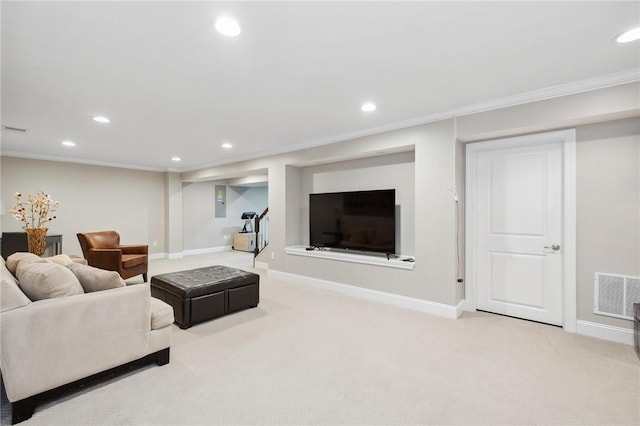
(135, 249)
(53, 342)
(110, 259)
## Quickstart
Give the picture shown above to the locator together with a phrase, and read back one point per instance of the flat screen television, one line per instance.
(358, 220)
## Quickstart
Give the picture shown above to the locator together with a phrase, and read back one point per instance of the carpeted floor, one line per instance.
(309, 356)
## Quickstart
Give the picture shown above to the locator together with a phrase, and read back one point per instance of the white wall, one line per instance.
(460, 190)
(608, 208)
(433, 277)
(201, 229)
(92, 198)
(607, 104)
(173, 214)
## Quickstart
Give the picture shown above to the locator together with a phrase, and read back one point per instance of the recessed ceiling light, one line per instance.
(227, 145)
(68, 143)
(101, 119)
(368, 107)
(227, 26)
(176, 159)
(631, 35)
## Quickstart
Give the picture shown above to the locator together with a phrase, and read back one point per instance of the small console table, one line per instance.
(12, 242)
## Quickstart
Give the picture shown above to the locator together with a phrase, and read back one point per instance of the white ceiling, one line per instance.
(295, 77)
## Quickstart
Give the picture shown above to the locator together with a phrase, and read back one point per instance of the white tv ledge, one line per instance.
(397, 263)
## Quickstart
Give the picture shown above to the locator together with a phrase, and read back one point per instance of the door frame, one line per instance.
(567, 138)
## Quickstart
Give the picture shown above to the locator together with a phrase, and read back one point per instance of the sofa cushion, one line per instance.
(161, 314)
(47, 280)
(95, 279)
(78, 259)
(60, 259)
(11, 296)
(17, 258)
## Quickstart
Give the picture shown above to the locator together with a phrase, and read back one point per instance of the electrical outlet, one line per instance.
(226, 237)
(155, 243)
(273, 256)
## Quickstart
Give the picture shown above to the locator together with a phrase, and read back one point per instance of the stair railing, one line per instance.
(261, 226)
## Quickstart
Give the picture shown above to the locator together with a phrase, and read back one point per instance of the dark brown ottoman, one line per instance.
(205, 293)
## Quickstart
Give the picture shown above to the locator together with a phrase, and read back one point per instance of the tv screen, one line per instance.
(358, 220)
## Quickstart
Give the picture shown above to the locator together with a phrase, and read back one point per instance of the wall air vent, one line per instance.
(14, 129)
(614, 295)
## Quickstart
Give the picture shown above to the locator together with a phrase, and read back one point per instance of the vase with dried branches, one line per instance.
(35, 213)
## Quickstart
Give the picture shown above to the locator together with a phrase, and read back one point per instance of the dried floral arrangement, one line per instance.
(36, 211)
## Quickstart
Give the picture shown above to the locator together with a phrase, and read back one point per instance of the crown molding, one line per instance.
(30, 156)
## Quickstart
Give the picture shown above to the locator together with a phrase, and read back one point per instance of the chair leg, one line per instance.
(144, 277)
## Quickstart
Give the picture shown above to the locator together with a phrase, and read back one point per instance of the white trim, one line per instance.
(568, 140)
(206, 250)
(43, 157)
(606, 332)
(353, 257)
(569, 306)
(262, 265)
(180, 255)
(460, 308)
(433, 308)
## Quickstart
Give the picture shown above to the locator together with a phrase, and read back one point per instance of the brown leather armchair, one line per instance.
(103, 250)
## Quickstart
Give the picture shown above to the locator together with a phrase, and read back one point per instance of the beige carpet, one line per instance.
(309, 356)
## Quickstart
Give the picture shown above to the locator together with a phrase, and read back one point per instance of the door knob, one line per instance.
(554, 247)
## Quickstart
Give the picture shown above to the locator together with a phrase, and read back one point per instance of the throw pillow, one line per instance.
(60, 259)
(17, 258)
(95, 279)
(47, 280)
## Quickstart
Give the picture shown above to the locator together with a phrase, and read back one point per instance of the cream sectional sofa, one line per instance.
(52, 342)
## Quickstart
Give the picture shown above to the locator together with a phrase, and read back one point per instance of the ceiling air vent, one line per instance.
(14, 129)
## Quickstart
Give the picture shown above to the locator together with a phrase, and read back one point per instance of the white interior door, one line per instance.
(518, 208)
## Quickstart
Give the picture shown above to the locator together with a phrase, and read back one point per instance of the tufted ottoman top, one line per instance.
(202, 281)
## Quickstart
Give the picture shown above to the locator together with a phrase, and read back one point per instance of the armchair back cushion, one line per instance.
(100, 240)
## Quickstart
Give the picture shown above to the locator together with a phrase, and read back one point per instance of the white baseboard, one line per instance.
(206, 250)
(180, 255)
(606, 332)
(157, 256)
(460, 307)
(262, 265)
(433, 308)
